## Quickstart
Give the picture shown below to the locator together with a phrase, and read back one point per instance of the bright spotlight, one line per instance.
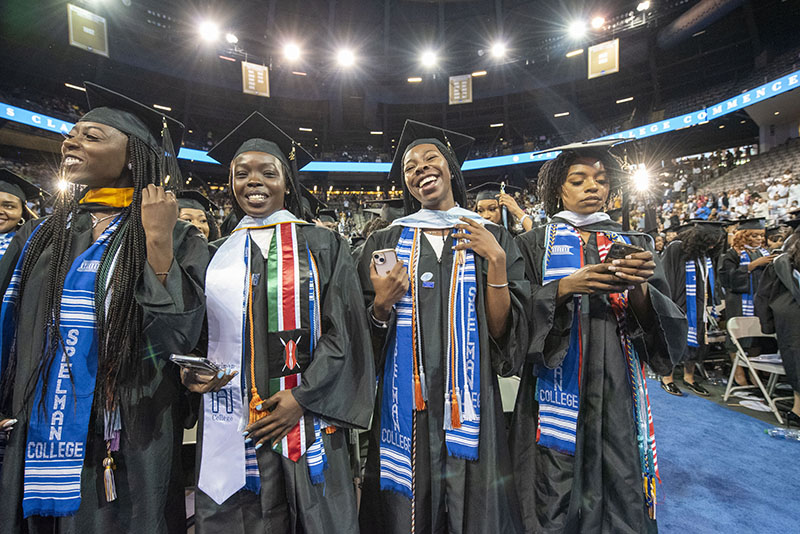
(428, 58)
(231, 38)
(576, 29)
(643, 6)
(63, 185)
(598, 22)
(208, 31)
(291, 52)
(346, 57)
(498, 50)
(641, 179)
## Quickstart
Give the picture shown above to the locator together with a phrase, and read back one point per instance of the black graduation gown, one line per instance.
(600, 488)
(452, 495)
(674, 262)
(735, 279)
(338, 385)
(149, 474)
(777, 305)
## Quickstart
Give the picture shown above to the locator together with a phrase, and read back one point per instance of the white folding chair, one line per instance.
(750, 327)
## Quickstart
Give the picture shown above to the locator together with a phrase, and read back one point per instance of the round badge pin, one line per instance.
(426, 277)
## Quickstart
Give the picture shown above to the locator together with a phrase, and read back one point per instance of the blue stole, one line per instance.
(748, 309)
(691, 297)
(404, 376)
(57, 432)
(5, 240)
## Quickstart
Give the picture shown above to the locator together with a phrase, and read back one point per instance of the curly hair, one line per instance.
(698, 242)
(741, 238)
(553, 174)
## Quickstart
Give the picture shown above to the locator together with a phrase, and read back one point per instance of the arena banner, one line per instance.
(255, 79)
(461, 89)
(87, 31)
(604, 58)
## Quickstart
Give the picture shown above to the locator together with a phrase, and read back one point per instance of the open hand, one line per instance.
(479, 239)
(283, 413)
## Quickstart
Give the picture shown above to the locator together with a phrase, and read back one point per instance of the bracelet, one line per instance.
(497, 286)
(377, 322)
(526, 216)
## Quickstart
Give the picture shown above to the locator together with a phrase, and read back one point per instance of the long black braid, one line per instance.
(119, 326)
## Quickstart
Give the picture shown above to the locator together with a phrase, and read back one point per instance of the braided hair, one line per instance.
(118, 315)
(553, 174)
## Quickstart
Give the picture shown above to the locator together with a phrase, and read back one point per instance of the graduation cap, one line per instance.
(311, 203)
(594, 149)
(702, 224)
(259, 134)
(193, 199)
(328, 215)
(454, 147)
(752, 224)
(391, 208)
(160, 132)
(774, 229)
(14, 184)
(490, 190)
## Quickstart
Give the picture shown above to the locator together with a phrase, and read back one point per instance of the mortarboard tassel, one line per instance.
(455, 412)
(108, 478)
(255, 400)
(418, 398)
(168, 160)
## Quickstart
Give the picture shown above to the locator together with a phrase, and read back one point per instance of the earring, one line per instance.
(21, 221)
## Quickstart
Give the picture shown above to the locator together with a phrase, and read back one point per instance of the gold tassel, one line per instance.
(330, 429)
(255, 400)
(455, 412)
(108, 478)
(420, 400)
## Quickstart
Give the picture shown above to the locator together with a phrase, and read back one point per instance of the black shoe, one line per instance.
(671, 388)
(697, 389)
(792, 419)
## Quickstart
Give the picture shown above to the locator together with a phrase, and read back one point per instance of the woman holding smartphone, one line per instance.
(446, 320)
(286, 325)
(582, 438)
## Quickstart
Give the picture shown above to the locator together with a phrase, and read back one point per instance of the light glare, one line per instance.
(209, 31)
(641, 179)
(498, 50)
(231, 38)
(291, 52)
(643, 6)
(576, 29)
(346, 57)
(428, 58)
(598, 22)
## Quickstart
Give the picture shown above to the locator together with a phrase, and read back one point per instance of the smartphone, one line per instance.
(195, 363)
(384, 260)
(618, 251)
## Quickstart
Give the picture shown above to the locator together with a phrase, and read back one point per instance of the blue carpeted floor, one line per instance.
(720, 472)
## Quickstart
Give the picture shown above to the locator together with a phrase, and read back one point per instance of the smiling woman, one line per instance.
(297, 346)
(14, 193)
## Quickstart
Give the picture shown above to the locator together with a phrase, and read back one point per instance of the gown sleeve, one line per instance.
(508, 353)
(549, 337)
(173, 312)
(339, 383)
(662, 343)
(733, 276)
(767, 289)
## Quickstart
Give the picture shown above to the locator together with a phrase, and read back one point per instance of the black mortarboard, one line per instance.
(328, 215)
(793, 223)
(391, 208)
(311, 203)
(259, 134)
(454, 147)
(702, 224)
(18, 186)
(595, 149)
(774, 229)
(752, 224)
(193, 199)
(130, 117)
(489, 190)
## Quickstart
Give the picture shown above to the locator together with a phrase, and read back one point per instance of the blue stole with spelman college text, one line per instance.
(691, 296)
(748, 309)
(59, 423)
(5, 240)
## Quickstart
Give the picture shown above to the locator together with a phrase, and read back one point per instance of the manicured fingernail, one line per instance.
(628, 257)
(258, 446)
(248, 440)
(229, 371)
(259, 407)
(245, 432)
(612, 269)
(615, 262)
(221, 374)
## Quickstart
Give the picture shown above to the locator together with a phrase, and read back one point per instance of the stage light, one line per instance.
(291, 52)
(226, 58)
(299, 73)
(208, 31)
(643, 6)
(346, 57)
(562, 114)
(598, 22)
(428, 58)
(415, 79)
(623, 100)
(641, 178)
(576, 29)
(574, 53)
(496, 125)
(478, 73)
(302, 129)
(231, 38)
(777, 113)
(76, 87)
(376, 132)
(63, 185)
(498, 50)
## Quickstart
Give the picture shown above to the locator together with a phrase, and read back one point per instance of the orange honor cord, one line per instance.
(419, 399)
(455, 411)
(255, 398)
